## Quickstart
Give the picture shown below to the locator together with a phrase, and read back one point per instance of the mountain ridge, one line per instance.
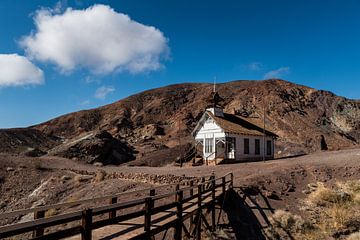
(155, 121)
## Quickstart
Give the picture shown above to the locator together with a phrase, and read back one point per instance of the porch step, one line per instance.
(215, 161)
(198, 161)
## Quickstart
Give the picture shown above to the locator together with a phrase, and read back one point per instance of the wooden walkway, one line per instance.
(138, 219)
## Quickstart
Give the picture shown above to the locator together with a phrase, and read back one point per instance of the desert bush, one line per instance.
(82, 178)
(99, 175)
(356, 198)
(51, 212)
(73, 198)
(289, 222)
(333, 212)
(351, 187)
(324, 196)
(38, 164)
(354, 236)
(339, 215)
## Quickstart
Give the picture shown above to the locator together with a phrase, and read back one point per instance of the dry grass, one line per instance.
(38, 164)
(288, 221)
(323, 196)
(51, 212)
(331, 211)
(73, 198)
(354, 236)
(350, 186)
(99, 176)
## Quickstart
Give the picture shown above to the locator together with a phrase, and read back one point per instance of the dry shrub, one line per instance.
(354, 236)
(51, 212)
(339, 215)
(78, 179)
(334, 213)
(356, 198)
(289, 222)
(315, 234)
(351, 187)
(38, 164)
(99, 175)
(324, 196)
(73, 198)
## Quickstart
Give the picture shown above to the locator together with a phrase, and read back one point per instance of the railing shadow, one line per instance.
(241, 218)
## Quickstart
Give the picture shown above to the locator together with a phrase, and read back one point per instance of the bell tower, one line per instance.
(215, 100)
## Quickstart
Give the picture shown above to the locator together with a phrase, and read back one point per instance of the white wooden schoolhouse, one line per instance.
(227, 137)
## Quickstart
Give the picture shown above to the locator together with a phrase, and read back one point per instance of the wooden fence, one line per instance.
(152, 216)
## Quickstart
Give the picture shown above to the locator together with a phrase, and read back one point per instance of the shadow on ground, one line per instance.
(242, 220)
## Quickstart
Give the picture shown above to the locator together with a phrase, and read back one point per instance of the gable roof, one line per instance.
(231, 123)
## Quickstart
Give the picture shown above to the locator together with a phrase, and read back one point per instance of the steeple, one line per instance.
(215, 102)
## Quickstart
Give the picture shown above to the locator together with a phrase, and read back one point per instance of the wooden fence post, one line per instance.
(177, 188)
(213, 221)
(112, 214)
(198, 219)
(152, 192)
(86, 223)
(38, 231)
(202, 183)
(223, 185)
(179, 212)
(191, 194)
(147, 216)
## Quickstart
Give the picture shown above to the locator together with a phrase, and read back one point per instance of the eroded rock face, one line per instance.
(100, 147)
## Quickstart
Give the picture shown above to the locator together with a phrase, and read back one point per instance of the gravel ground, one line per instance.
(284, 181)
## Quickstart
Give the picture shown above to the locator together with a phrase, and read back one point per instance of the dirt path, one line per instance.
(286, 179)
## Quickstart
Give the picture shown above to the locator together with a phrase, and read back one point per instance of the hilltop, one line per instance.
(154, 127)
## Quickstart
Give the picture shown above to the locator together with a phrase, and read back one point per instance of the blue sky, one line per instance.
(315, 43)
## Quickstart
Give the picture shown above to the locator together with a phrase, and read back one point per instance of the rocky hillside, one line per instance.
(157, 123)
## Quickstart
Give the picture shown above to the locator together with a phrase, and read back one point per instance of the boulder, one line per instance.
(100, 148)
(35, 153)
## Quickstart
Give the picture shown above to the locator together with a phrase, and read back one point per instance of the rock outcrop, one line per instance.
(98, 147)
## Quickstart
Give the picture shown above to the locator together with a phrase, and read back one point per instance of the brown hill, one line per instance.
(25, 140)
(156, 122)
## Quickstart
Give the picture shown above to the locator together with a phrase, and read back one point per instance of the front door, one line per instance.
(231, 145)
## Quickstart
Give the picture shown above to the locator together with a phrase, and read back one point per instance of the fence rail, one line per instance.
(150, 218)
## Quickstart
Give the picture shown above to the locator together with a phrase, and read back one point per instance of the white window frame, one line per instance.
(209, 142)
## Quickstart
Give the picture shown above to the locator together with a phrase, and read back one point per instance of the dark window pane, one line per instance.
(246, 146)
(257, 146)
(268, 147)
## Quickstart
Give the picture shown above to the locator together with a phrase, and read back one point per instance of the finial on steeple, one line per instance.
(214, 84)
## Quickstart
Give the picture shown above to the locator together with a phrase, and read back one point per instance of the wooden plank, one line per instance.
(117, 219)
(86, 223)
(117, 206)
(39, 231)
(112, 214)
(179, 214)
(147, 215)
(198, 218)
(60, 234)
(213, 223)
(170, 215)
(19, 228)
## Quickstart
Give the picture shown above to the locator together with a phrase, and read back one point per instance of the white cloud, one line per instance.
(16, 70)
(96, 38)
(254, 66)
(277, 73)
(91, 79)
(103, 91)
(85, 103)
